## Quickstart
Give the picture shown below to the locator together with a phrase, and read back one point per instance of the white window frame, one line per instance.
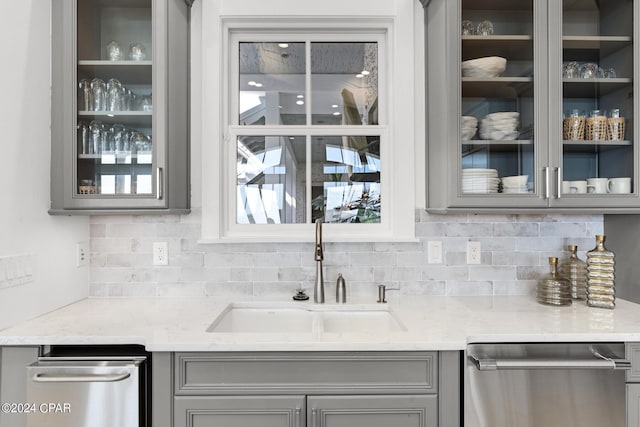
(219, 201)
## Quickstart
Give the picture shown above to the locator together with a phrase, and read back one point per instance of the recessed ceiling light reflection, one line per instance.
(258, 84)
(300, 96)
(365, 73)
(334, 106)
(283, 45)
(359, 76)
(336, 113)
(252, 83)
(300, 102)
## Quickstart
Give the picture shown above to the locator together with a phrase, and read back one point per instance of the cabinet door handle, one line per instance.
(313, 417)
(558, 183)
(545, 172)
(297, 421)
(159, 182)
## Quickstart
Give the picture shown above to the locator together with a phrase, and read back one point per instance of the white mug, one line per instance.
(619, 185)
(598, 185)
(566, 187)
(578, 187)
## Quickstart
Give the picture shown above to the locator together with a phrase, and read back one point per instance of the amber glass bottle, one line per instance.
(600, 276)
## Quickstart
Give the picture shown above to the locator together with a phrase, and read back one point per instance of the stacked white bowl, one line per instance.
(515, 184)
(500, 126)
(489, 66)
(469, 127)
(480, 181)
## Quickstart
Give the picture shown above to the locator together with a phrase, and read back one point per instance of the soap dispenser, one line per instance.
(341, 290)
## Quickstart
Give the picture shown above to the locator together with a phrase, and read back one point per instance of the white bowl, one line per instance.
(515, 181)
(468, 133)
(490, 66)
(469, 120)
(498, 135)
(502, 115)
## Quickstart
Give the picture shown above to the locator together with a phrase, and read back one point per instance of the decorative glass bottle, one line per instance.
(575, 271)
(554, 289)
(600, 276)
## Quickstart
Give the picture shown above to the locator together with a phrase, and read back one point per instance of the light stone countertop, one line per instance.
(432, 323)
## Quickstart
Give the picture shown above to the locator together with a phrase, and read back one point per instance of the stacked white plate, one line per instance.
(515, 184)
(500, 126)
(480, 181)
(469, 127)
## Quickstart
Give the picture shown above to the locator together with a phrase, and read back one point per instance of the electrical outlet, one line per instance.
(82, 254)
(473, 253)
(160, 253)
(434, 252)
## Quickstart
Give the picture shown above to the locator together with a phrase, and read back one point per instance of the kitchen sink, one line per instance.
(297, 318)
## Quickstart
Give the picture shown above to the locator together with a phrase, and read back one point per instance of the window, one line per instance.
(307, 134)
(329, 92)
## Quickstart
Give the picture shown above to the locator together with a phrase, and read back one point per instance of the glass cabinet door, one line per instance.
(497, 148)
(598, 148)
(114, 146)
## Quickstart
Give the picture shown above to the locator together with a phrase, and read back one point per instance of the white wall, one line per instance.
(25, 226)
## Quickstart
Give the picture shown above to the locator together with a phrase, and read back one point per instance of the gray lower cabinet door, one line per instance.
(633, 405)
(239, 411)
(372, 411)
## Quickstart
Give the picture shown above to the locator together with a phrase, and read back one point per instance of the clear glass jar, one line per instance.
(553, 289)
(575, 271)
(600, 276)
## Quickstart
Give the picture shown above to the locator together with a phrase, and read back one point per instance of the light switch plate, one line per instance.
(434, 252)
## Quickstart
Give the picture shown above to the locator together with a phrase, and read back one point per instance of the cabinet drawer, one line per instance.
(305, 372)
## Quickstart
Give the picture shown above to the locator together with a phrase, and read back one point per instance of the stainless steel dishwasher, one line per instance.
(86, 392)
(545, 384)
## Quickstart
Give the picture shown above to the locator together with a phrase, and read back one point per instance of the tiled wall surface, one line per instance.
(515, 249)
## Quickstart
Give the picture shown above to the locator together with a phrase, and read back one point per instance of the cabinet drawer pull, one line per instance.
(558, 183)
(545, 172)
(159, 182)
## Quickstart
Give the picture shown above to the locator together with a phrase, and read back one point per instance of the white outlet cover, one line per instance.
(474, 253)
(160, 253)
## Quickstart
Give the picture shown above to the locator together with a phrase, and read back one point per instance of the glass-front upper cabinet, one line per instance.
(116, 145)
(596, 159)
(499, 69)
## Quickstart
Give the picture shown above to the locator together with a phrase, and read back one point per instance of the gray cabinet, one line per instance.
(245, 411)
(633, 385)
(119, 123)
(372, 411)
(313, 389)
(553, 109)
(13, 387)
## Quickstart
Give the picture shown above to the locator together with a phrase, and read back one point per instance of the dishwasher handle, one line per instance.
(488, 364)
(42, 377)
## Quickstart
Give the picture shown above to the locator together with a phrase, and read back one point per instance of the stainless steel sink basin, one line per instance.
(297, 318)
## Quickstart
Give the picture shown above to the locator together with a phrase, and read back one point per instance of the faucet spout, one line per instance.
(318, 288)
(319, 252)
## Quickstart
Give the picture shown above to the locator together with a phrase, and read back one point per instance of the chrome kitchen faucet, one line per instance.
(318, 288)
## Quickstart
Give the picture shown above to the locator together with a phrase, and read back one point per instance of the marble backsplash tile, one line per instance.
(515, 249)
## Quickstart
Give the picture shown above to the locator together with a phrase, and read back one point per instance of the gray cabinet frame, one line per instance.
(170, 116)
(189, 385)
(443, 45)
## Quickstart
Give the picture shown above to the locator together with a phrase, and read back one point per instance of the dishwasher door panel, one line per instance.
(544, 393)
(83, 394)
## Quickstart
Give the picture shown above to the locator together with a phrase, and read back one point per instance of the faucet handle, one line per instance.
(382, 289)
